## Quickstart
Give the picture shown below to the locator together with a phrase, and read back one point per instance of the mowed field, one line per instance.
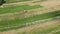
(30, 17)
(50, 27)
(12, 1)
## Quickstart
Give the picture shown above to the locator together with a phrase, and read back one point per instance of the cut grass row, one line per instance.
(49, 30)
(44, 30)
(18, 8)
(57, 32)
(17, 23)
(13, 1)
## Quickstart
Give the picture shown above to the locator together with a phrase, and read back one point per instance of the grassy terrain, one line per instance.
(12, 1)
(44, 30)
(13, 24)
(18, 8)
(57, 32)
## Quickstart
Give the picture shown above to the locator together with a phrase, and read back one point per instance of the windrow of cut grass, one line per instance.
(49, 30)
(17, 23)
(13, 1)
(18, 8)
(44, 30)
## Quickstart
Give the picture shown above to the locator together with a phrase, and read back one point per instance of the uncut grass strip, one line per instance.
(18, 8)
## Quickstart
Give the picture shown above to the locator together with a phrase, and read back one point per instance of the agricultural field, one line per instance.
(13, 1)
(30, 17)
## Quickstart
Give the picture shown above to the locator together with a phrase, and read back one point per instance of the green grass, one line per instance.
(49, 30)
(57, 32)
(18, 8)
(44, 30)
(17, 23)
(13, 1)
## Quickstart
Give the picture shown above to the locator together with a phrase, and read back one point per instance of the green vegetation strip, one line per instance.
(43, 30)
(57, 32)
(17, 23)
(13, 1)
(18, 8)
(47, 30)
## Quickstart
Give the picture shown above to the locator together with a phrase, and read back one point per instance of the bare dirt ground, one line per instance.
(29, 28)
